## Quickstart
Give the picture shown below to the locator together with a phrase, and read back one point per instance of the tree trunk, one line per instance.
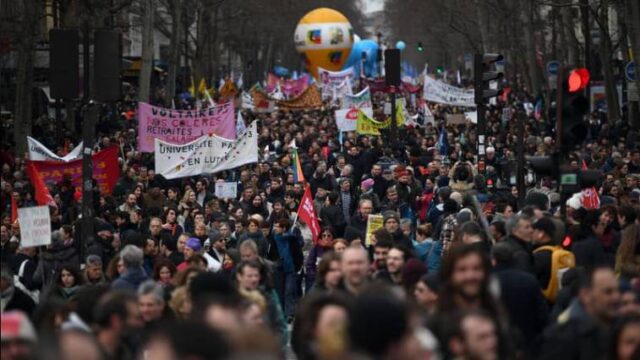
(175, 44)
(30, 16)
(611, 92)
(632, 17)
(144, 87)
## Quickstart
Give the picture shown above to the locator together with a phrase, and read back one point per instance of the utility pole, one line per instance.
(483, 75)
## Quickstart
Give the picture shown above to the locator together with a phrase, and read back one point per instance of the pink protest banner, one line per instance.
(183, 126)
(290, 88)
(106, 170)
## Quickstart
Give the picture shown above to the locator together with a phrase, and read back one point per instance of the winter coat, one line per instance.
(522, 255)
(52, 260)
(131, 279)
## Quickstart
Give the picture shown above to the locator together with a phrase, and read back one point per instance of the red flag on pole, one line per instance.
(590, 198)
(307, 213)
(14, 209)
(43, 196)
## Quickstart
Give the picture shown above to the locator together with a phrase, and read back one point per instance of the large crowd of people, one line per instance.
(462, 267)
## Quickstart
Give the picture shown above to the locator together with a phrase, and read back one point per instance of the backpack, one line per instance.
(33, 294)
(561, 261)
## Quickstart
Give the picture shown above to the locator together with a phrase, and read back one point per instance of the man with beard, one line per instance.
(465, 276)
(396, 259)
(383, 244)
(118, 322)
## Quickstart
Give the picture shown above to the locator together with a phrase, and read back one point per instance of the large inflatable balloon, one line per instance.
(325, 37)
(368, 47)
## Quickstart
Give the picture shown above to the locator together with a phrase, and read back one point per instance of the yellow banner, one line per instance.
(367, 126)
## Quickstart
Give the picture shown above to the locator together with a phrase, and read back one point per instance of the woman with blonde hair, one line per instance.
(180, 302)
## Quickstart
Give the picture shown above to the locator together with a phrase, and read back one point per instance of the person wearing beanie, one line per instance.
(544, 233)
(19, 337)
(367, 193)
(391, 223)
(191, 247)
(426, 293)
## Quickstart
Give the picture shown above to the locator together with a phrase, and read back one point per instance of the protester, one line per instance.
(373, 247)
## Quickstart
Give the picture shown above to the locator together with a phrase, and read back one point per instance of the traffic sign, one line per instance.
(630, 71)
(552, 67)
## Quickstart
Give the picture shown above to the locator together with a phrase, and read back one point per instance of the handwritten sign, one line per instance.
(35, 226)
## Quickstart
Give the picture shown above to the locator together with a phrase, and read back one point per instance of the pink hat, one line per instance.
(367, 184)
(16, 326)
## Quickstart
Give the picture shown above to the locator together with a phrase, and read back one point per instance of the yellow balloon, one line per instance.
(325, 36)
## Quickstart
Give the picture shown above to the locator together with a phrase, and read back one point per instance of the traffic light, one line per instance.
(483, 74)
(544, 165)
(420, 47)
(439, 70)
(570, 179)
(573, 128)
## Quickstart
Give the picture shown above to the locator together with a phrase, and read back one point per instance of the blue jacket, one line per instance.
(131, 279)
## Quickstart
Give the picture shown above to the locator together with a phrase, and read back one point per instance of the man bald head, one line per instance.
(355, 268)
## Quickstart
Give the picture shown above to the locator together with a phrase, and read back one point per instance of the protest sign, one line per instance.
(226, 190)
(206, 155)
(106, 170)
(289, 87)
(335, 83)
(346, 119)
(360, 100)
(39, 152)
(374, 222)
(183, 126)
(455, 119)
(310, 98)
(365, 125)
(35, 226)
(471, 116)
(439, 92)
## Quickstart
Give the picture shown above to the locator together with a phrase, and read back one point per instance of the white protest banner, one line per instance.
(346, 119)
(439, 92)
(342, 90)
(35, 226)
(226, 190)
(39, 152)
(328, 80)
(360, 100)
(206, 155)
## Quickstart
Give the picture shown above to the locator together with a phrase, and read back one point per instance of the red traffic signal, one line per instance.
(578, 79)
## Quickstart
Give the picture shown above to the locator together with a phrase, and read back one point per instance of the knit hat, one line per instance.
(194, 243)
(390, 214)
(413, 271)
(367, 184)
(433, 281)
(16, 326)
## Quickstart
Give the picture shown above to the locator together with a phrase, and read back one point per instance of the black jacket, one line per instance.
(522, 257)
(15, 262)
(19, 301)
(520, 293)
(589, 252)
(332, 216)
(579, 338)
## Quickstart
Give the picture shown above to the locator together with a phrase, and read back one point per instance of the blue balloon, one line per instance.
(400, 45)
(370, 48)
(280, 71)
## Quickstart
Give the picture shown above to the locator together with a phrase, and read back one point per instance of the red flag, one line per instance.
(307, 213)
(43, 196)
(590, 198)
(14, 209)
